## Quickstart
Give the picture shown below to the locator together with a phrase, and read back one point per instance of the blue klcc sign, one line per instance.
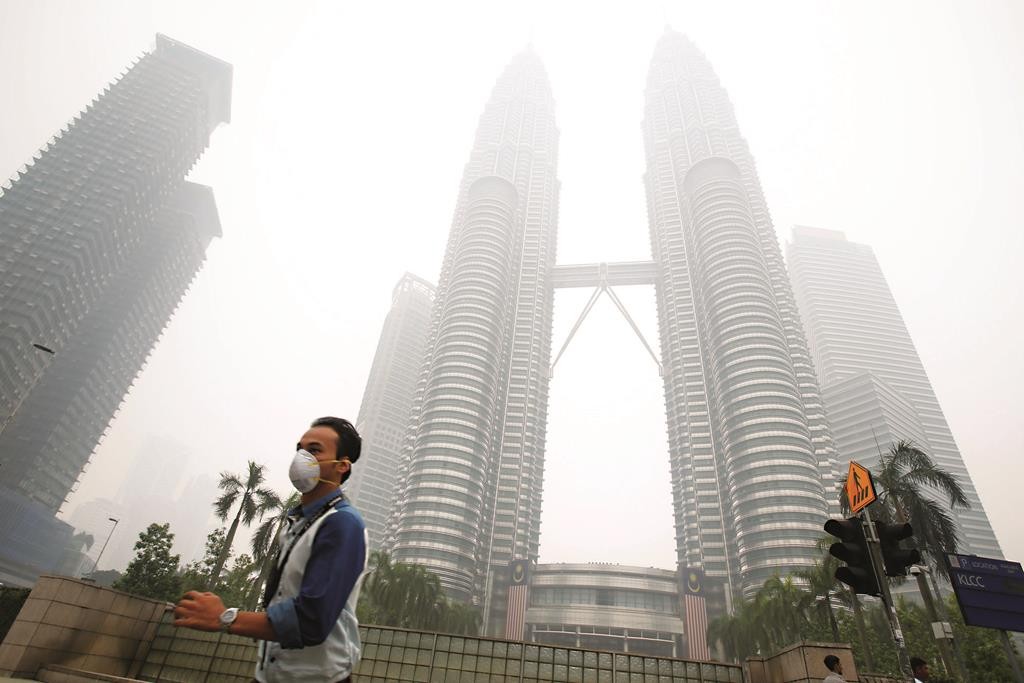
(990, 592)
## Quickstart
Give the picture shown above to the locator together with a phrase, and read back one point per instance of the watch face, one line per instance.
(228, 616)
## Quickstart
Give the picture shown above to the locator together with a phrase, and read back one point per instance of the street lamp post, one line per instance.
(97, 562)
(50, 353)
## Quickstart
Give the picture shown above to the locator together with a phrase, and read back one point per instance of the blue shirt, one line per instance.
(335, 563)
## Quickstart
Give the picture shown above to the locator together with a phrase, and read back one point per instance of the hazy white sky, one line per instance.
(899, 123)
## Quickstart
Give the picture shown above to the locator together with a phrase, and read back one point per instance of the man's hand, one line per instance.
(200, 611)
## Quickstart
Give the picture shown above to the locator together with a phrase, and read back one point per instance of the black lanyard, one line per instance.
(279, 563)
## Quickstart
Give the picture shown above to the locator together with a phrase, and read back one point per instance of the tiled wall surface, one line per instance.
(184, 655)
(80, 625)
(397, 655)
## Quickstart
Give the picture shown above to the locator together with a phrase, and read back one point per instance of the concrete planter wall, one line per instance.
(78, 624)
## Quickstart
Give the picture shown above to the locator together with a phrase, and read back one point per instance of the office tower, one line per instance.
(751, 455)
(855, 329)
(471, 484)
(100, 238)
(386, 410)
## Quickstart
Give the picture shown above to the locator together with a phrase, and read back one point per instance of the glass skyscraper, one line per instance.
(387, 402)
(470, 488)
(751, 455)
(100, 237)
(855, 331)
(752, 459)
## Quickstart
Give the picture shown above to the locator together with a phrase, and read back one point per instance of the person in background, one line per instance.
(835, 668)
(919, 668)
(309, 630)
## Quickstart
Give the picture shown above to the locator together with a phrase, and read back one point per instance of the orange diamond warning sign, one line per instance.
(860, 488)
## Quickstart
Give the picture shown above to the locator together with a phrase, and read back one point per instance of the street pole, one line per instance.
(878, 565)
(1012, 656)
(949, 658)
(97, 562)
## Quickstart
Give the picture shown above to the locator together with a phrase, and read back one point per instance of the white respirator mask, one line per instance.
(305, 471)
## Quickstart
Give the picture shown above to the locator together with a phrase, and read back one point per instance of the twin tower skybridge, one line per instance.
(602, 277)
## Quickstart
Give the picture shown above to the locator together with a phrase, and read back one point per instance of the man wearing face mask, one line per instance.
(309, 629)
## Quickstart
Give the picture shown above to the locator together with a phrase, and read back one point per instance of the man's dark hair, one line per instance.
(916, 663)
(350, 444)
(830, 662)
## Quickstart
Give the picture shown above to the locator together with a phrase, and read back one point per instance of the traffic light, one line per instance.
(897, 560)
(852, 549)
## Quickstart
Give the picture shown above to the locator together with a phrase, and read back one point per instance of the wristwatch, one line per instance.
(227, 617)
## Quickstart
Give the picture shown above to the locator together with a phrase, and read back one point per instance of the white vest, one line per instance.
(330, 661)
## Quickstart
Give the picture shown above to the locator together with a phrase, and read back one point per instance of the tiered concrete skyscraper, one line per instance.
(471, 489)
(751, 456)
(100, 238)
(386, 410)
(873, 378)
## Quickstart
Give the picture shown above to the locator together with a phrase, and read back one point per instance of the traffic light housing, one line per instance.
(897, 560)
(852, 549)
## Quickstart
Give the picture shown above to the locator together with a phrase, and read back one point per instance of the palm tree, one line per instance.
(774, 618)
(742, 633)
(253, 502)
(822, 588)
(262, 545)
(785, 610)
(461, 618)
(410, 596)
(903, 477)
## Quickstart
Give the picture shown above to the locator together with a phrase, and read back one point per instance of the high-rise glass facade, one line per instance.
(470, 489)
(387, 402)
(751, 456)
(854, 326)
(100, 238)
(752, 459)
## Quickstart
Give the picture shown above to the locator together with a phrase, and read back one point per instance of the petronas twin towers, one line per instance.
(752, 459)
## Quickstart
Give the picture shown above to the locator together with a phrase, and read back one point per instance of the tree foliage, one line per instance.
(153, 573)
(410, 596)
(235, 585)
(196, 575)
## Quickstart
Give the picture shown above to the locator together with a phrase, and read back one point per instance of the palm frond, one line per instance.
(935, 528)
(222, 506)
(267, 501)
(249, 508)
(255, 475)
(263, 539)
(229, 482)
(919, 469)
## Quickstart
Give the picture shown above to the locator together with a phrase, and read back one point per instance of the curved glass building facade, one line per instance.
(606, 607)
(470, 484)
(752, 459)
